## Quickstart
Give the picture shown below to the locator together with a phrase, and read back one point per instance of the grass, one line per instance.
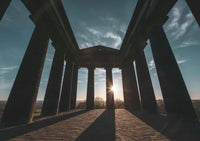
(37, 113)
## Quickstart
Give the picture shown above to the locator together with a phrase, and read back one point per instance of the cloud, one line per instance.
(181, 61)
(117, 39)
(184, 26)
(5, 70)
(94, 31)
(116, 71)
(5, 85)
(180, 20)
(187, 44)
(152, 65)
(175, 16)
(85, 45)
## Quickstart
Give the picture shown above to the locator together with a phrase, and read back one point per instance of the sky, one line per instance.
(99, 22)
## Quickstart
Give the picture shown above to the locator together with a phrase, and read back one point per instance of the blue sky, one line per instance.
(96, 22)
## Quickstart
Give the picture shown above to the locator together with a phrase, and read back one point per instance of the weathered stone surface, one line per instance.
(107, 125)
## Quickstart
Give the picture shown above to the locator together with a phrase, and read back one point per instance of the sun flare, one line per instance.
(113, 89)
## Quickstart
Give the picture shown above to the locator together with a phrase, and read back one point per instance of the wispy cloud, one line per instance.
(180, 20)
(176, 14)
(184, 26)
(187, 44)
(116, 71)
(5, 70)
(117, 39)
(151, 65)
(5, 86)
(85, 45)
(94, 31)
(181, 61)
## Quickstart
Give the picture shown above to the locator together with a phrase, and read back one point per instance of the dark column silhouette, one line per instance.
(131, 95)
(194, 7)
(175, 94)
(20, 105)
(74, 88)
(146, 89)
(3, 7)
(109, 92)
(51, 100)
(90, 89)
(65, 98)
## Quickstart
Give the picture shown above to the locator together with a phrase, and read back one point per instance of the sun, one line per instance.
(113, 88)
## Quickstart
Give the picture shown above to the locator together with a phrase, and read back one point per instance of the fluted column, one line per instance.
(194, 7)
(51, 100)
(175, 94)
(74, 88)
(22, 98)
(147, 95)
(3, 7)
(109, 92)
(131, 94)
(65, 98)
(90, 89)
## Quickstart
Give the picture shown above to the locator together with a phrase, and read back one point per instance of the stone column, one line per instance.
(3, 7)
(65, 98)
(131, 94)
(74, 88)
(147, 95)
(109, 92)
(21, 102)
(51, 100)
(175, 94)
(194, 7)
(90, 89)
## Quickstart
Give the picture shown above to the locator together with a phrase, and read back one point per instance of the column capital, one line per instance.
(108, 68)
(91, 68)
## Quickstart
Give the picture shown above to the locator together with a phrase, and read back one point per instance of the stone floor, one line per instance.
(103, 125)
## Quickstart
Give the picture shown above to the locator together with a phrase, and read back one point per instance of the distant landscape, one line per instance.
(100, 103)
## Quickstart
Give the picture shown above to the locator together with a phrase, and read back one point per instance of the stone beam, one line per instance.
(52, 12)
(150, 12)
(99, 56)
(194, 6)
(3, 7)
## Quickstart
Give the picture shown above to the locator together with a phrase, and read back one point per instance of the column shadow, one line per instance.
(102, 129)
(173, 128)
(8, 133)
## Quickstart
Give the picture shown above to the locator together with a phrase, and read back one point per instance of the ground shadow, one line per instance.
(102, 129)
(172, 127)
(12, 132)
